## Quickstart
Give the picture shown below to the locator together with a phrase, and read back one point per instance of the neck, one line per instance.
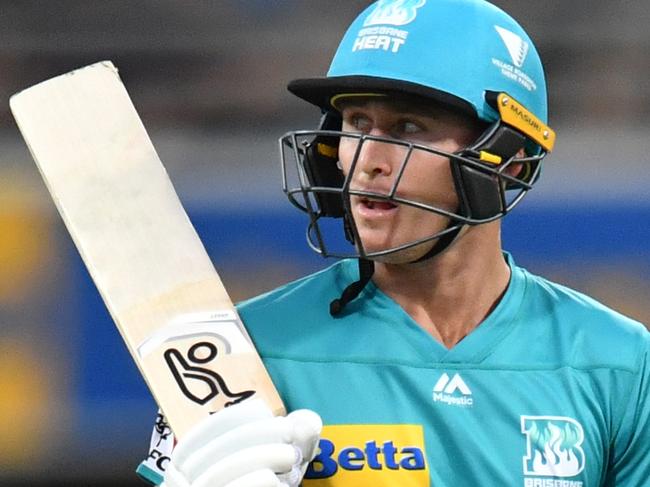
(450, 294)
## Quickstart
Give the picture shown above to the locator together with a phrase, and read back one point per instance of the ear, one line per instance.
(514, 170)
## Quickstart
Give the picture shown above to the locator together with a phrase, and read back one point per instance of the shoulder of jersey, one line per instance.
(297, 305)
(590, 332)
(330, 279)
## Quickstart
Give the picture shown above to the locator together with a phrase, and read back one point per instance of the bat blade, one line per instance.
(139, 245)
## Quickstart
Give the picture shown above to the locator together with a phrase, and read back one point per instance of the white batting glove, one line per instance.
(244, 445)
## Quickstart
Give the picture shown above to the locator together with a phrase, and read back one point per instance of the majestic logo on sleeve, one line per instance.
(553, 448)
(394, 12)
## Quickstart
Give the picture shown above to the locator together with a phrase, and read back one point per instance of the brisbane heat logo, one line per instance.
(394, 12)
(553, 447)
(380, 30)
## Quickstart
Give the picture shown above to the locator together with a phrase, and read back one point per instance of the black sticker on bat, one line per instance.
(189, 375)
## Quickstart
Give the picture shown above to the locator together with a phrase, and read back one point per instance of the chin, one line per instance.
(405, 256)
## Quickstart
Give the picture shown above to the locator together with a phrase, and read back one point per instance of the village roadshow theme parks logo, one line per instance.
(518, 50)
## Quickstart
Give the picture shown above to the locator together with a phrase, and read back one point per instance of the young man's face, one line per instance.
(426, 178)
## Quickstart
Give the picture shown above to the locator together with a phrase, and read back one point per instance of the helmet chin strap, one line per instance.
(442, 244)
(367, 269)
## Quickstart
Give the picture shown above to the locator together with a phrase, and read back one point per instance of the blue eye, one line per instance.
(406, 128)
(356, 123)
(410, 128)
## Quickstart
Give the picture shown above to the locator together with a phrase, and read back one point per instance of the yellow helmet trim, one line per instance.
(327, 150)
(336, 98)
(515, 114)
(491, 158)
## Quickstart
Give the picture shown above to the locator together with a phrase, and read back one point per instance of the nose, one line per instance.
(374, 158)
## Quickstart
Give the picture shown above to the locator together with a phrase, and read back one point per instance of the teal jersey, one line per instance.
(550, 390)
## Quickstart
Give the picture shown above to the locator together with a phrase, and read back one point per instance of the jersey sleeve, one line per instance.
(630, 462)
(152, 468)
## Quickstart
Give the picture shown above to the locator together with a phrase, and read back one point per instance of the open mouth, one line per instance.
(377, 204)
(374, 208)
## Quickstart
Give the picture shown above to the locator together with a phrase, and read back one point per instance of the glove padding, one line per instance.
(244, 445)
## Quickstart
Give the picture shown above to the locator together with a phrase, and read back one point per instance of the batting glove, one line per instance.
(244, 445)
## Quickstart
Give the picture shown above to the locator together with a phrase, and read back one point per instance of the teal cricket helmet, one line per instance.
(452, 51)
(466, 54)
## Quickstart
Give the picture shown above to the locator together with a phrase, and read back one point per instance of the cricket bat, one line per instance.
(139, 245)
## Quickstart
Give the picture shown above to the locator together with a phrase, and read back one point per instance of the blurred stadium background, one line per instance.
(209, 81)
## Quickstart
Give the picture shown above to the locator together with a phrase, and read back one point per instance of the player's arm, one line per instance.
(245, 445)
(629, 459)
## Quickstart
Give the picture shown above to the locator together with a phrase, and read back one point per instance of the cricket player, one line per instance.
(427, 357)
